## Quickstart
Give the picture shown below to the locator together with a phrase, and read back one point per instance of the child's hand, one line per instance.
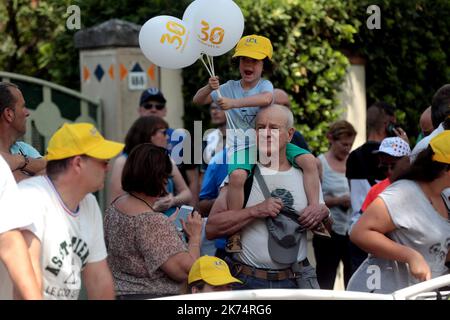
(213, 83)
(227, 103)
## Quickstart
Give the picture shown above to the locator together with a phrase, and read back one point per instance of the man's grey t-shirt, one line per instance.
(418, 226)
(241, 118)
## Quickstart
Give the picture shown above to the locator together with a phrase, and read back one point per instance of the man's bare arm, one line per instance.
(14, 254)
(223, 222)
(98, 280)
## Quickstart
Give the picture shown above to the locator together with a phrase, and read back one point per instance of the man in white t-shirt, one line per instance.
(13, 249)
(275, 258)
(67, 240)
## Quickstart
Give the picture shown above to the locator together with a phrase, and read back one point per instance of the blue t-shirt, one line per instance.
(170, 189)
(215, 174)
(172, 141)
(241, 118)
(24, 149)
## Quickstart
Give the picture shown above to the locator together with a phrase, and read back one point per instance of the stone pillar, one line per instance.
(114, 70)
(353, 98)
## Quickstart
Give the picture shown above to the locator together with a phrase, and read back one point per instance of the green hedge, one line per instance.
(408, 59)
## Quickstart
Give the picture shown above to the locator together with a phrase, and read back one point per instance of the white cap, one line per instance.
(395, 147)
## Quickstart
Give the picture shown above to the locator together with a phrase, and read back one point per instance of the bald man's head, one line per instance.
(426, 123)
(275, 111)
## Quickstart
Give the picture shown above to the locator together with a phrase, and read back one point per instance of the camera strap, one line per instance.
(266, 193)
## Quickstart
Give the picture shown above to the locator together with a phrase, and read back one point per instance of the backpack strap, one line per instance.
(248, 185)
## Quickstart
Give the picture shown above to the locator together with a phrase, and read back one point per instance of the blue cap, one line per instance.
(152, 94)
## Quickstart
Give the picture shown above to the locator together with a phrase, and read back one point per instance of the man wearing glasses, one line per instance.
(153, 103)
(66, 241)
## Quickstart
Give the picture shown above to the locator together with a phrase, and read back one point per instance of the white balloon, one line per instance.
(166, 41)
(217, 25)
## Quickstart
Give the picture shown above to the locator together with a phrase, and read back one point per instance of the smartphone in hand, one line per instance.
(182, 215)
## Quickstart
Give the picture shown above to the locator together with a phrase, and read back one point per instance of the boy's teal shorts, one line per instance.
(245, 159)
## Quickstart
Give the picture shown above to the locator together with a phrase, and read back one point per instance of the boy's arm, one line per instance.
(315, 212)
(311, 181)
(263, 99)
(203, 95)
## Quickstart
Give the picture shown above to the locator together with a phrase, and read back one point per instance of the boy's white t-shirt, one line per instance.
(68, 240)
(241, 119)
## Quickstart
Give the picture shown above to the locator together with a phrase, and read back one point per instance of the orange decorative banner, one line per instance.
(86, 73)
(151, 72)
(111, 72)
(123, 71)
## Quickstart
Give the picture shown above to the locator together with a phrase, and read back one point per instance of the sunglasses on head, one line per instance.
(158, 106)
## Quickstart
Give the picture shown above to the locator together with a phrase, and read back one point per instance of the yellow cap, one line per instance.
(81, 138)
(256, 47)
(441, 147)
(212, 270)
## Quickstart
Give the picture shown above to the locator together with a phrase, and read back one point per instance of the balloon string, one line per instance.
(206, 66)
(208, 57)
(210, 69)
(211, 64)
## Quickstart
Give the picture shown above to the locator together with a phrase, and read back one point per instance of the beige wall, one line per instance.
(119, 103)
(171, 86)
(353, 100)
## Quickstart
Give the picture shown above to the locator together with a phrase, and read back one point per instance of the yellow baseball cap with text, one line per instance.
(81, 139)
(253, 46)
(441, 147)
(214, 271)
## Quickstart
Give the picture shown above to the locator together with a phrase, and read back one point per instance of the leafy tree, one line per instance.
(408, 58)
(28, 31)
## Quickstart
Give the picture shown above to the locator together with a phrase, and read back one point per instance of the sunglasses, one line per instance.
(158, 106)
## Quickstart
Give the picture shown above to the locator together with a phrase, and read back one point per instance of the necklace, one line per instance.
(139, 198)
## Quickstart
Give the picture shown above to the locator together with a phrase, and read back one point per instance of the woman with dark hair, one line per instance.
(406, 229)
(151, 129)
(336, 193)
(147, 255)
